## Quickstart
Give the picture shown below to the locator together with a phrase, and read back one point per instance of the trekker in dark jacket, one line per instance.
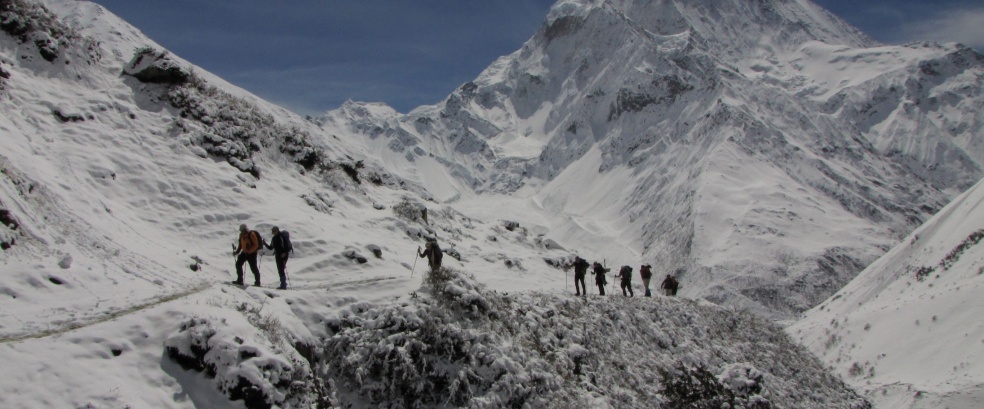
(626, 275)
(670, 285)
(249, 245)
(281, 252)
(600, 280)
(580, 271)
(646, 272)
(433, 253)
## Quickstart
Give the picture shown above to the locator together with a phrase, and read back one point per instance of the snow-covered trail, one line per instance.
(359, 285)
(102, 316)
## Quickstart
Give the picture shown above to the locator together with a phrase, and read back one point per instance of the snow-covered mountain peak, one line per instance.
(730, 26)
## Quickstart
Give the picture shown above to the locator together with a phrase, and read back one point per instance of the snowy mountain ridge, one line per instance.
(768, 148)
(906, 330)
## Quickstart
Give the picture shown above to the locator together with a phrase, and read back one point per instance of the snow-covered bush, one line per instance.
(246, 365)
(742, 379)
(410, 210)
(430, 353)
(739, 387)
(31, 22)
(467, 346)
(437, 280)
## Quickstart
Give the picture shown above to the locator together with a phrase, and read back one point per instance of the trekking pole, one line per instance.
(611, 285)
(415, 257)
(604, 267)
(234, 258)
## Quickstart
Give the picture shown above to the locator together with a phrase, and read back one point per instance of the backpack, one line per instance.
(646, 271)
(625, 273)
(285, 242)
(581, 265)
(259, 239)
(438, 254)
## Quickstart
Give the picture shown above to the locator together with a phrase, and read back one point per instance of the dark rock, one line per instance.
(156, 67)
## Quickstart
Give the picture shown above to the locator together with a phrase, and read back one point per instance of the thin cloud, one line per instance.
(964, 25)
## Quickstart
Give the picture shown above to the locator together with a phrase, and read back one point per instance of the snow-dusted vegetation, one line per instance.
(247, 362)
(33, 25)
(465, 345)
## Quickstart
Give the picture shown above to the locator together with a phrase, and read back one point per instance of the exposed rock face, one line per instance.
(156, 67)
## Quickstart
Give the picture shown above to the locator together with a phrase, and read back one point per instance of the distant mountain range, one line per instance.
(767, 148)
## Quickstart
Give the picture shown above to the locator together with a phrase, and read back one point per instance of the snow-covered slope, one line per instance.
(125, 173)
(766, 147)
(908, 330)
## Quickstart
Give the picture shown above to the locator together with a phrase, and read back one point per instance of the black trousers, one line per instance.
(627, 285)
(251, 259)
(282, 268)
(579, 286)
(601, 288)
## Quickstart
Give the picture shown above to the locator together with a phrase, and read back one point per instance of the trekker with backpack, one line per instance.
(433, 253)
(626, 275)
(676, 284)
(600, 280)
(280, 244)
(249, 244)
(646, 272)
(580, 271)
(670, 285)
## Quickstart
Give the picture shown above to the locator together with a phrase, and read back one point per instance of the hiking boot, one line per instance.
(283, 287)
(257, 283)
(237, 282)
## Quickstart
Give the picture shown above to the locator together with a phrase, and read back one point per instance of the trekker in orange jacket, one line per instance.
(249, 245)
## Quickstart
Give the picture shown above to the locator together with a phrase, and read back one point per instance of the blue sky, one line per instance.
(312, 55)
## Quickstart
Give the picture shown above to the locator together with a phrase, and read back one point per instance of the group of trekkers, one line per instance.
(669, 285)
(250, 243)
